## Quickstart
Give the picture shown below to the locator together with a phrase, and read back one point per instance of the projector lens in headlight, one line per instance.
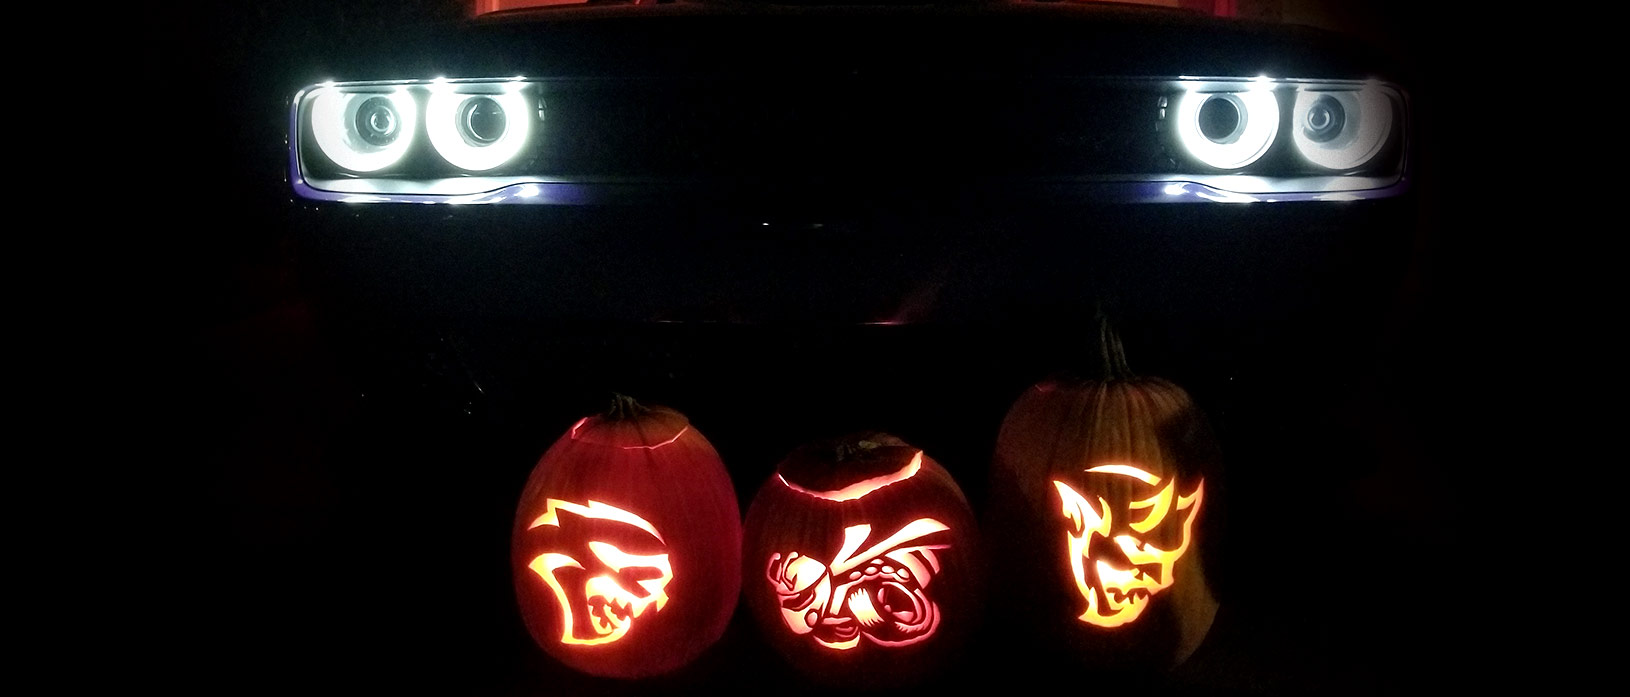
(362, 131)
(1227, 129)
(482, 121)
(1324, 119)
(477, 131)
(378, 123)
(1221, 118)
(1341, 129)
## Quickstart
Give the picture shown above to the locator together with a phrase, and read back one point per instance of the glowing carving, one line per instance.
(1126, 571)
(865, 486)
(878, 593)
(607, 608)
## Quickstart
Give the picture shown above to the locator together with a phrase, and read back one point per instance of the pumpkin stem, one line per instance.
(847, 450)
(1111, 349)
(623, 408)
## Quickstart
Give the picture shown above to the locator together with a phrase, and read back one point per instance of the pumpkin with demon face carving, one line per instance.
(1099, 491)
(627, 542)
(861, 562)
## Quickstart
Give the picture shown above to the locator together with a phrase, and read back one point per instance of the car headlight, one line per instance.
(479, 127)
(1341, 129)
(1266, 136)
(1227, 129)
(433, 138)
(363, 131)
(1153, 139)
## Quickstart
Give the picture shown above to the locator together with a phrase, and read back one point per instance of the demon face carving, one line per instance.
(878, 592)
(602, 588)
(1123, 548)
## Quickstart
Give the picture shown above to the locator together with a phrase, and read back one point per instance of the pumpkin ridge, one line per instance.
(1071, 418)
(1150, 420)
(1101, 433)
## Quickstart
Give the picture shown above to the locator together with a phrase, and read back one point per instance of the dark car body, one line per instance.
(796, 221)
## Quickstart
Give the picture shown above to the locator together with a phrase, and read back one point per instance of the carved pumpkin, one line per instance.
(1098, 491)
(627, 544)
(861, 562)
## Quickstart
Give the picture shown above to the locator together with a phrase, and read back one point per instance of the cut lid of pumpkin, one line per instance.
(849, 467)
(629, 424)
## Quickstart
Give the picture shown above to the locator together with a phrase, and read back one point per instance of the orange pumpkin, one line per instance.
(627, 544)
(1099, 492)
(861, 562)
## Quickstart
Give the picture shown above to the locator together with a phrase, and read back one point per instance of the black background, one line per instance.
(288, 459)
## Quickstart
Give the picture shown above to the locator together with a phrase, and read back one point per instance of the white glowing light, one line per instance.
(1368, 122)
(333, 125)
(442, 123)
(1259, 123)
